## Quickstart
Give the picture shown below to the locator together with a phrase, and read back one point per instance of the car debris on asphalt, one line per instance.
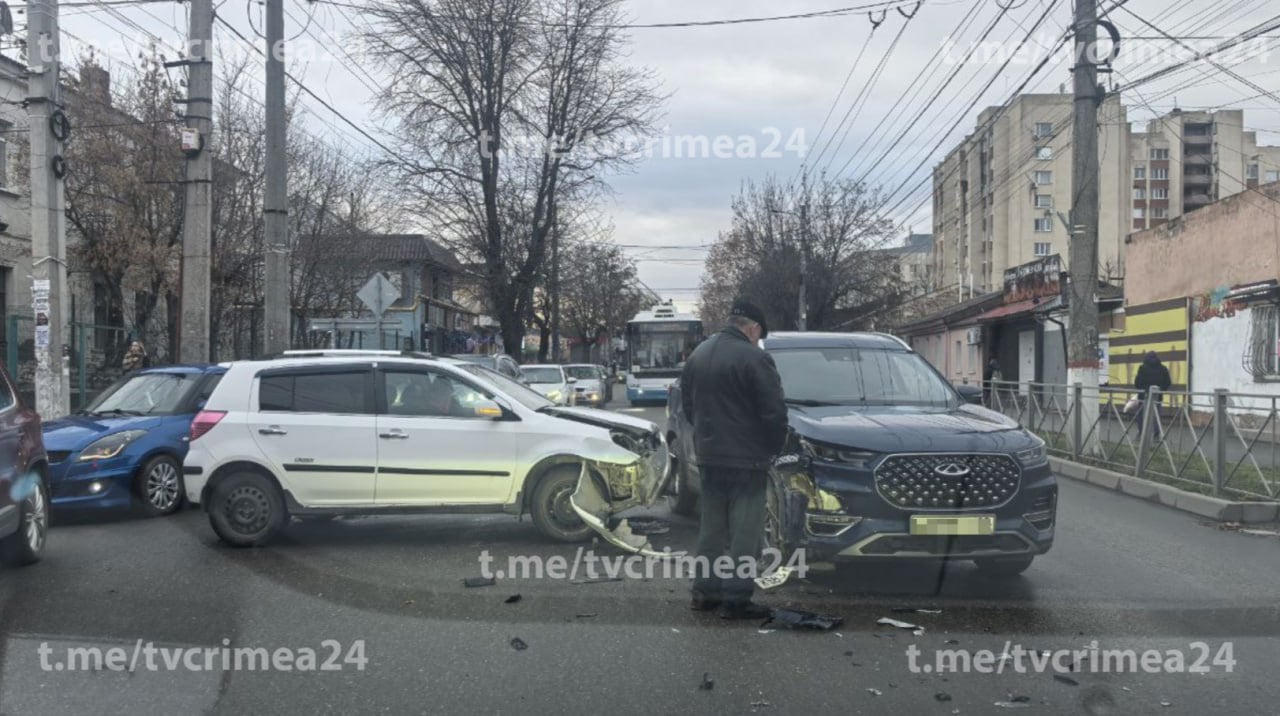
(799, 619)
(875, 692)
(942, 697)
(512, 599)
(1065, 680)
(472, 582)
(518, 644)
(778, 578)
(707, 682)
(914, 610)
(600, 580)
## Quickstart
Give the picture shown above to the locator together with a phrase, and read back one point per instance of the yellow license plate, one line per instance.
(953, 525)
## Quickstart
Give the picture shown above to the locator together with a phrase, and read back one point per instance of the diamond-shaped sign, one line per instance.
(378, 294)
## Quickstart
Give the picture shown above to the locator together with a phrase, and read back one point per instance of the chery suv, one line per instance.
(24, 496)
(316, 434)
(888, 460)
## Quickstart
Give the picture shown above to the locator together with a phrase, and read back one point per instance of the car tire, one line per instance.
(552, 512)
(1004, 566)
(159, 486)
(686, 500)
(246, 509)
(26, 546)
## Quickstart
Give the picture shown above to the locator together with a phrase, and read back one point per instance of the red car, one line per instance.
(24, 494)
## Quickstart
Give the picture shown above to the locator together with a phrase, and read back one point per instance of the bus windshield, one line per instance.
(658, 348)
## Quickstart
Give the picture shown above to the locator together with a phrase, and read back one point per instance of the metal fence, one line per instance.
(1218, 443)
(95, 356)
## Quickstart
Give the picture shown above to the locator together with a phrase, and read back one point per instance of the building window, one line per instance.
(1273, 175)
(1043, 248)
(1044, 226)
(1251, 172)
(1044, 130)
(1044, 201)
(1139, 213)
(1160, 192)
(1044, 152)
(1139, 193)
(1140, 172)
(1160, 174)
(1159, 213)
(1159, 153)
(1044, 177)
(1261, 357)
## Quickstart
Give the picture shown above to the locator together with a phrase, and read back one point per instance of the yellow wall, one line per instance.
(1163, 327)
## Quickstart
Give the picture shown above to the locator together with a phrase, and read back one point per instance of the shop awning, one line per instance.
(1012, 310)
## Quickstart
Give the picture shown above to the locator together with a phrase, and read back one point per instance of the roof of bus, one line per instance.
(664, 317)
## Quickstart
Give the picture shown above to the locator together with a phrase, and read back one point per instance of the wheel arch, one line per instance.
(231, 468)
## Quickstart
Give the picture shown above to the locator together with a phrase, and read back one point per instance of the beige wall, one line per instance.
(1235, 241)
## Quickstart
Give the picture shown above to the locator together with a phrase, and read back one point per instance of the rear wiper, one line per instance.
(810, 403)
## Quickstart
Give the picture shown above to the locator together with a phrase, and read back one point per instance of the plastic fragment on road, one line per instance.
(1065, 680)
(518, 644)
(471, 582)
(601, 580)
(707, 682)
(1012, 704)
(512, 599)
(875, 692)
(798, 619)
(942, 697)
(916, 629)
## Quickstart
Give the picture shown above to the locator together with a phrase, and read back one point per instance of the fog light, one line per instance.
(1040, 520)
(821, 525)
(96, 487)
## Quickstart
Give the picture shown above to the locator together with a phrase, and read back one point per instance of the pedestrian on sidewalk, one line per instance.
(1151, 374)
(990, 375)
(732, 394)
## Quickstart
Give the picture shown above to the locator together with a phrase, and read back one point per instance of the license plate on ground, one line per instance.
(953, 525)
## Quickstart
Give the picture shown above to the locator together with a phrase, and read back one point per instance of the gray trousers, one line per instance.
(732, 524)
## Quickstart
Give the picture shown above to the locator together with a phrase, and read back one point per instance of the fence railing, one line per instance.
(1218, 443)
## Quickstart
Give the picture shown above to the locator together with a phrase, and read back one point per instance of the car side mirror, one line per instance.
(489, 409)
(572, 381)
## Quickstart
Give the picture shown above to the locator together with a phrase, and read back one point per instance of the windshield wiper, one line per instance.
(118, 411)
(811, 403)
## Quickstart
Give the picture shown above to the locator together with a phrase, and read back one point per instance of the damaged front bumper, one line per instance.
(835, 514)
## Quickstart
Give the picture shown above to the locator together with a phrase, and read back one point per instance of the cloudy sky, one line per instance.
(773, 86)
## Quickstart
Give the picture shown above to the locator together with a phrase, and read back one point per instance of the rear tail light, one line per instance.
(205, 421)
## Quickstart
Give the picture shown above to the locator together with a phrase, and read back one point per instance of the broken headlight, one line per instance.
(835, 453)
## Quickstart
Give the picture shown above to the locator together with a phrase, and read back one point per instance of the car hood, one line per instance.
(547, 386)
(966, 428)
(604, 419)
(76, 432)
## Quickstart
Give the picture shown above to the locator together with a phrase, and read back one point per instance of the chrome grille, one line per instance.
(948, 482)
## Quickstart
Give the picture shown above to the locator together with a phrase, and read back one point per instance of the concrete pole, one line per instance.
(1082, 361)
(276, 286)
(802, 316)
(48, 227)
(197, 213)
(554, 355)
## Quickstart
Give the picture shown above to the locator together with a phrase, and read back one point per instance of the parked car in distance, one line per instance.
(126, 447)
(500, 362)
(550, 380)
(592, 387)
(889, 461)
(24, 491)
(324, 434)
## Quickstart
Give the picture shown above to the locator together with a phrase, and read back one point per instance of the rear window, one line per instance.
(337, 392)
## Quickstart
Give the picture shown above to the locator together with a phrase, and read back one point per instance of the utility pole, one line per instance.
(197, 211)
(555, 290)
(1082, 358)
(803, 314)
(48, 223)
(276, 287)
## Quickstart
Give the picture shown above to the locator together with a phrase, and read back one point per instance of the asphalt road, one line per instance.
(1128, 574)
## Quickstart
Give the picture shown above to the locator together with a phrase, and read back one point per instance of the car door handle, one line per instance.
(273, 430)
(394, 435)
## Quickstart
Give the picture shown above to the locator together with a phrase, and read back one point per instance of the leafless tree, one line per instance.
(508, 109)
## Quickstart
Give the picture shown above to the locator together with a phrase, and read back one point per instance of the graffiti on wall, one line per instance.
(1215, 304)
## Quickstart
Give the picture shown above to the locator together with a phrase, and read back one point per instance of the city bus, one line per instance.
(658, 343)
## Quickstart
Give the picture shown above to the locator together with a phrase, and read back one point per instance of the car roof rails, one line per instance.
(348, 353)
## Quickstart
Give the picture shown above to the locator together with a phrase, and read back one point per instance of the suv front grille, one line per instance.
(948, 482)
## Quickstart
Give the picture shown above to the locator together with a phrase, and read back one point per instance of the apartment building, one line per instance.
(1001, 198)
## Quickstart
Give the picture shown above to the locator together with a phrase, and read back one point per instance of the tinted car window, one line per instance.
(338, 392)
(430, 394)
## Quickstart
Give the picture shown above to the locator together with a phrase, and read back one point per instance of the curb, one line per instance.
(1214, 508)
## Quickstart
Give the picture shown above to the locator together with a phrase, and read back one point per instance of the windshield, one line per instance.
(517, 391)
(583, 372)
(845, 376)
(147, 394)
(542, 374)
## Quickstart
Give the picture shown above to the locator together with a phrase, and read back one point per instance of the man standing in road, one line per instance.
(732, 394)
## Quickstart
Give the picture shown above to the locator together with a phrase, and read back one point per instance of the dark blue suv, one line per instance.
(126, 448)
(888, 460)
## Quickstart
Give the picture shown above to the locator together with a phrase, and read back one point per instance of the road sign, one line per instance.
(378, 294)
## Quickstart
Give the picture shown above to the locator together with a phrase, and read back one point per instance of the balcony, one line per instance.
(1195, 201)
(1197, 179)
(1197, 160)
(1199, 140)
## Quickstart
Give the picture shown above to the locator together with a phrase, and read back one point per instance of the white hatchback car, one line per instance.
(314, 434)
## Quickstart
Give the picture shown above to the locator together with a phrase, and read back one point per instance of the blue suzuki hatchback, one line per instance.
(128, 445)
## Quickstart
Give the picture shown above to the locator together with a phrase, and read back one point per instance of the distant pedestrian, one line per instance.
(1151, 374)
(732, 394)
(135, 358)
(990, 375)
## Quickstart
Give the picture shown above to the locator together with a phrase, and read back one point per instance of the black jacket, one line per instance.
(1152, 373)
(731, 394)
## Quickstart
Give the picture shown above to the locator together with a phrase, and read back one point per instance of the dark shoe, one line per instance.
(702, 603)
(750, 610)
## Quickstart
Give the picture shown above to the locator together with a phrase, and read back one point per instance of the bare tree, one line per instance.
(508, 108)
(760, 254)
